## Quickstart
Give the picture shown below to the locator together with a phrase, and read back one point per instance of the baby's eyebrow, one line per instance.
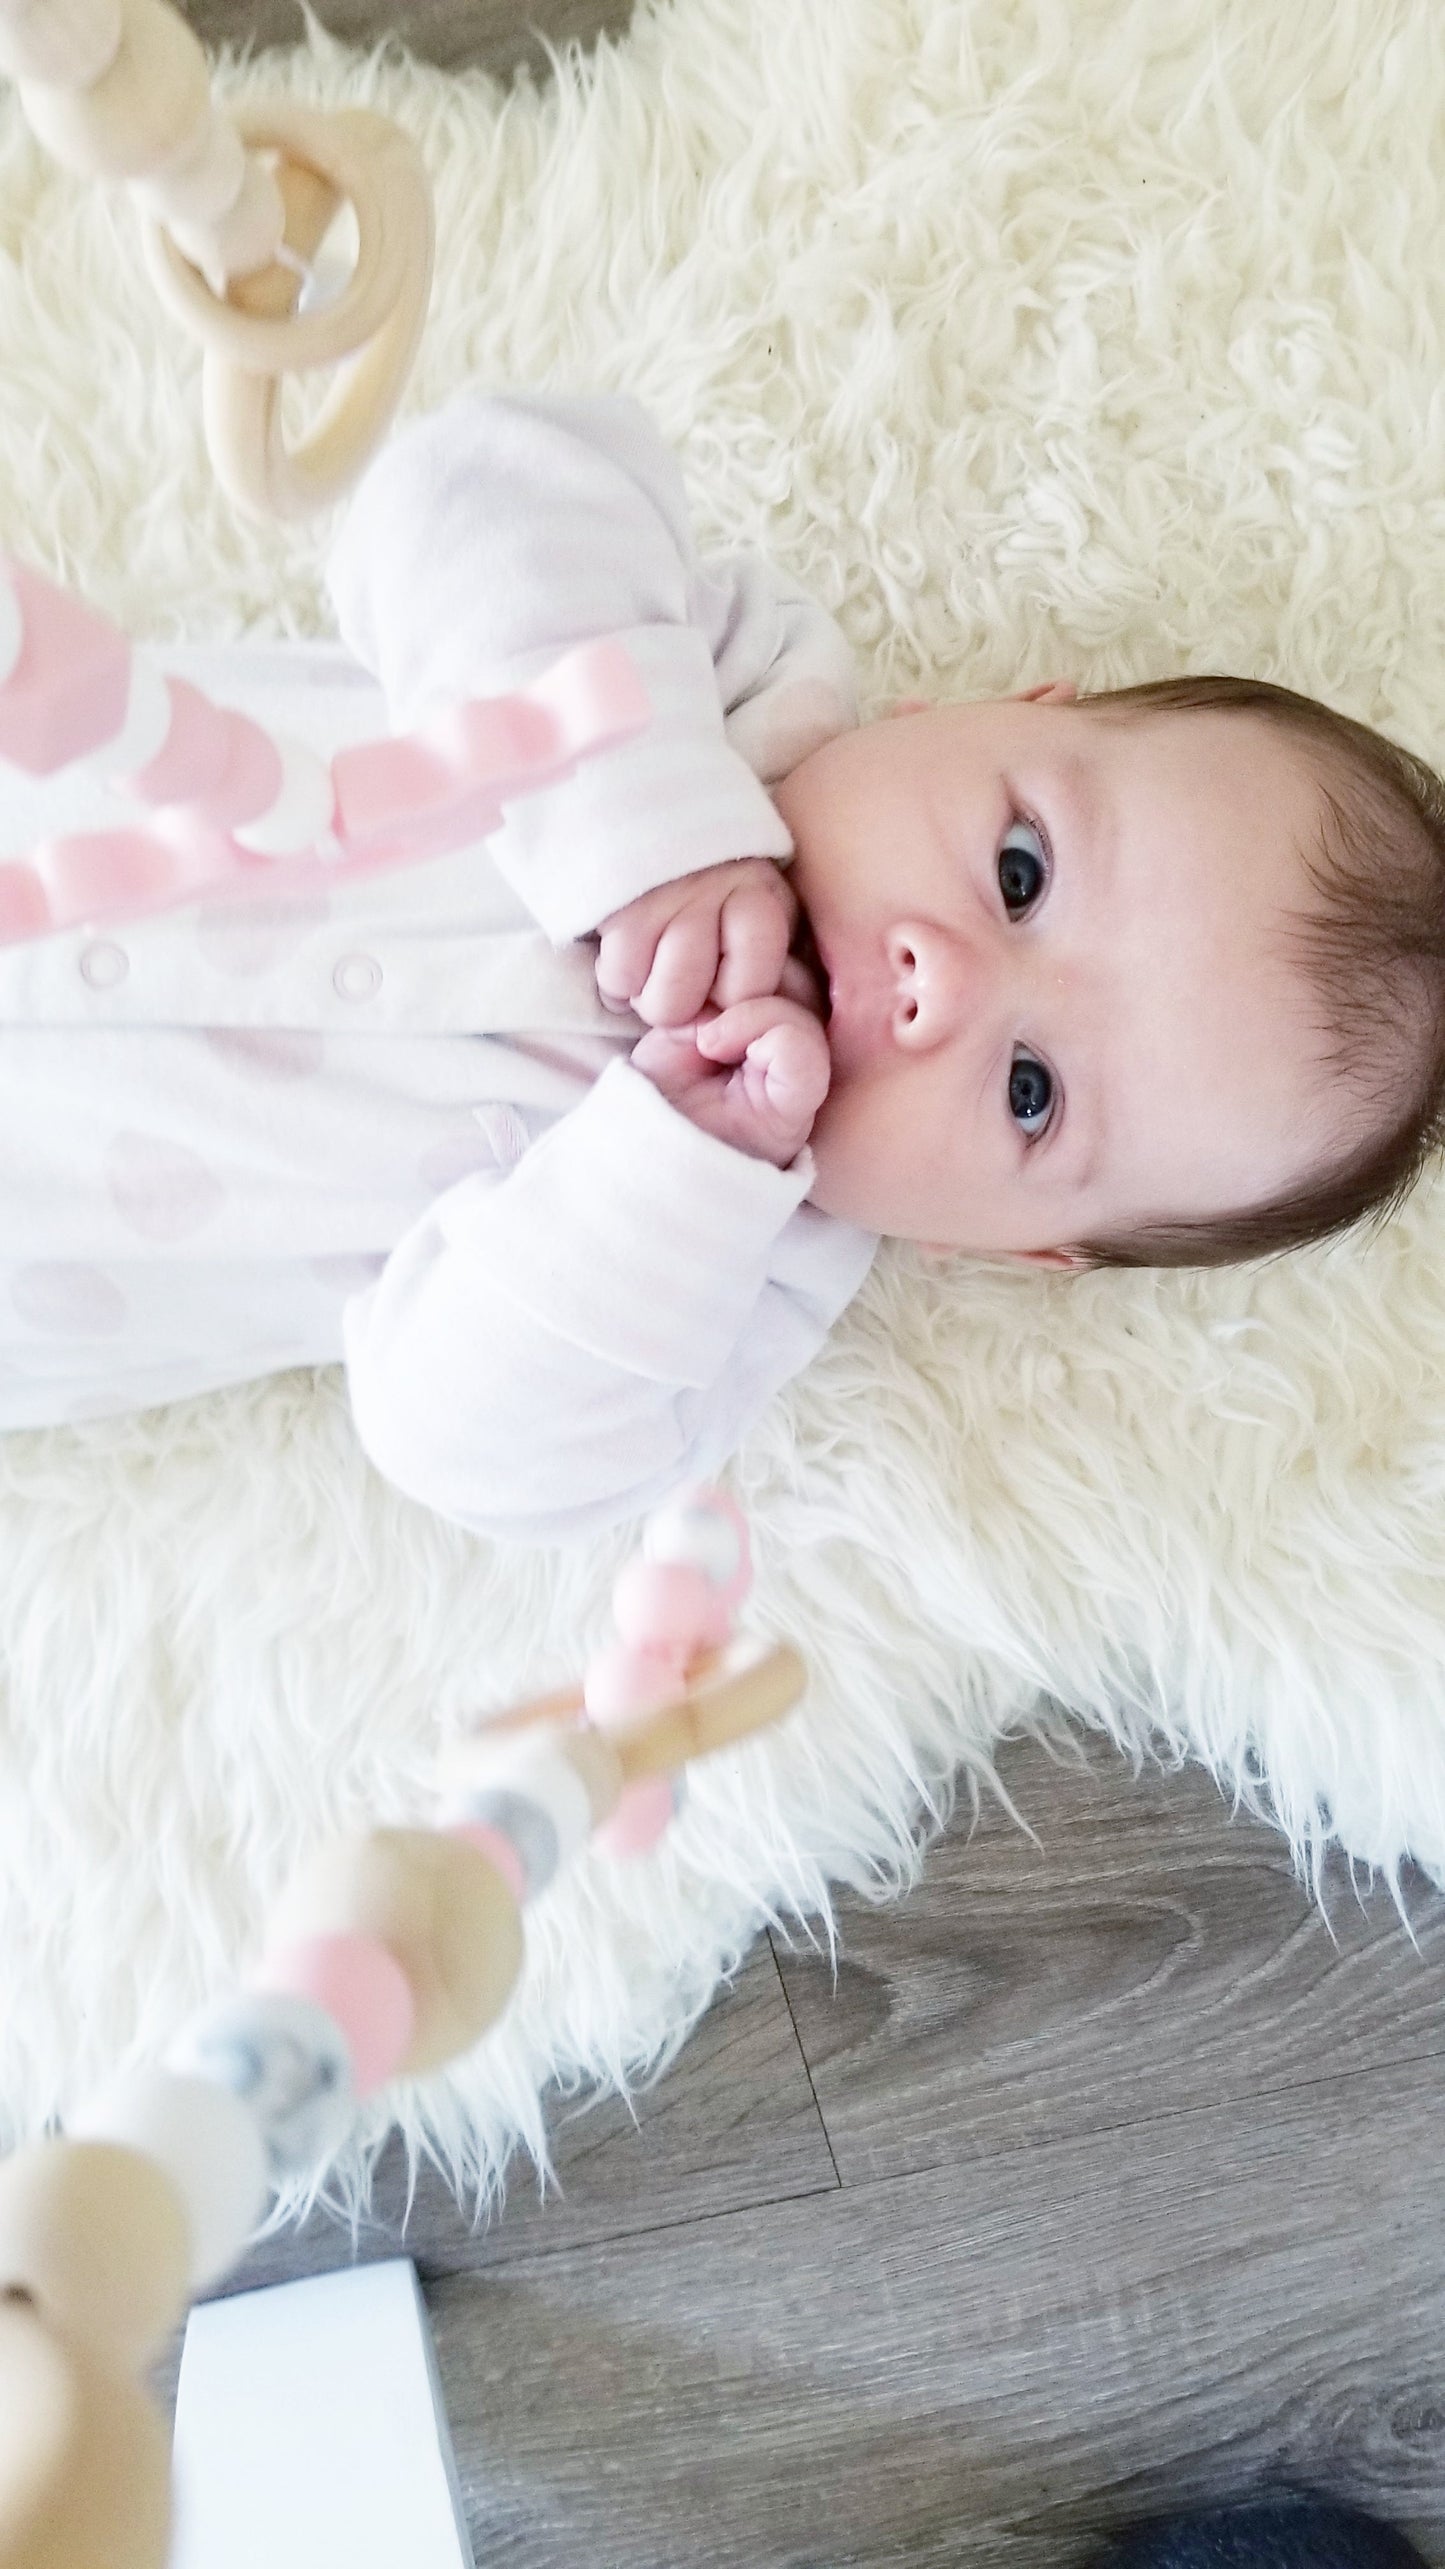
(1083, 832)
(1089, 821)
(1094, 1148)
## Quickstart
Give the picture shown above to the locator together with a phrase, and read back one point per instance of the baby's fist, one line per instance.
(753, 1075)
(720, 935)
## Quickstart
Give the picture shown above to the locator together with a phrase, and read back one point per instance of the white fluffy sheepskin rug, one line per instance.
(1101, 340)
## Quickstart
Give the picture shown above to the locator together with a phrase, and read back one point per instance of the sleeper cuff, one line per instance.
(630, 1233)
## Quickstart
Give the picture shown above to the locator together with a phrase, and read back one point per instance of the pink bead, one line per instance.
(363, 1989)
(622, 1680)
(497, 1849)
(70, 687)
(669, 1602)
(640, 1819)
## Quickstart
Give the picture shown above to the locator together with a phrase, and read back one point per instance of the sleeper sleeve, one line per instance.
(491, 537)
(547, 1353)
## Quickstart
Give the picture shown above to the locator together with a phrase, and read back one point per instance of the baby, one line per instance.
(575, 1146)
(1040, 977)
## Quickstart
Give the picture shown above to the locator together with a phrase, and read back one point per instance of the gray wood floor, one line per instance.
(498, 36)
(1104, 2179)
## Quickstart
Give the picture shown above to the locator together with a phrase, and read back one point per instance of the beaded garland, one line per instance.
(388, 1953)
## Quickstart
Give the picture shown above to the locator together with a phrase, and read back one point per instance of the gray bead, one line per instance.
(523, 1823)
(286, 2060)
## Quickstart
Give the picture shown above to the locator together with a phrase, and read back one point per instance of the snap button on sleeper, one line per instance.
(357, 976)
(103, 966)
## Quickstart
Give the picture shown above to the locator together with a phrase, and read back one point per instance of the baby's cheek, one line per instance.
(848, 1154)
(778, 729)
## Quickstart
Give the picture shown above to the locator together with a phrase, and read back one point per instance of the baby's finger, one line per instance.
(755, 926)
(669, 1057)
(624, 959)
(780, 1052)
(795, 981)
(683, 969)
(727, 1036)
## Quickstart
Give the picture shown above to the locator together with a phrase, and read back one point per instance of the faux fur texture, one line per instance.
(1099, 339)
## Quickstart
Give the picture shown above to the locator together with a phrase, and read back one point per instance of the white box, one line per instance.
(310, 2431)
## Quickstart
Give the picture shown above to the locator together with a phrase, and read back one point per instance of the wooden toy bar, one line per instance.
(219, 803)
(233, 212)
(389, 1953)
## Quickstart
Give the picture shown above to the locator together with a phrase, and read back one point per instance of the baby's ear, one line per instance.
(1072, 1259)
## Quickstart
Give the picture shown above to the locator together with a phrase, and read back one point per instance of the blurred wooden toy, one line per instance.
(234, 212)
(389, 1953)
(222, 805)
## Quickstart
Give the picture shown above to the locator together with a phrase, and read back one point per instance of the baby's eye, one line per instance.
(1030, 1095)
(1022, 872)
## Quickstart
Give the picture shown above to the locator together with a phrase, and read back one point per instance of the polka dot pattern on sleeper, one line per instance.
(268, 1052)
(161, 1190)
(244, 939)
(69, 1301)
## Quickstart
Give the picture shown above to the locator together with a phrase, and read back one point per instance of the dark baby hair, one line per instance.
(1373, 947)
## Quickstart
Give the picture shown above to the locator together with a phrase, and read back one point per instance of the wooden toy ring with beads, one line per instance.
(119, 89)
(389, 1952)
(353, 158)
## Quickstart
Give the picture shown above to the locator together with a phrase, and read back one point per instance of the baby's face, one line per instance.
(1058, 1002)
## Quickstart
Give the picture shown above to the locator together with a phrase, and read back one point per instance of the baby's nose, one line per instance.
(940, 982)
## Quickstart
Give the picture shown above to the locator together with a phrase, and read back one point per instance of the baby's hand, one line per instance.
(721, 935)
(754, 1074)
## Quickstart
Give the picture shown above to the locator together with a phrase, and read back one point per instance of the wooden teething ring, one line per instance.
(352, 158)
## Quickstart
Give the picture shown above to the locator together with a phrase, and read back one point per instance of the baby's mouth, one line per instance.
(805, 950)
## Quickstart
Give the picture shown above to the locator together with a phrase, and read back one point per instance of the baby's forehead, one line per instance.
(1216, 792)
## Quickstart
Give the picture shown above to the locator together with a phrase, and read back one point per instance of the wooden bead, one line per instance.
(150, 107)
(437, 1904)
(84, 2459)
(97, 2236)
(209, 2145)
(205, 184)
(243, 239)
(70, 42)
